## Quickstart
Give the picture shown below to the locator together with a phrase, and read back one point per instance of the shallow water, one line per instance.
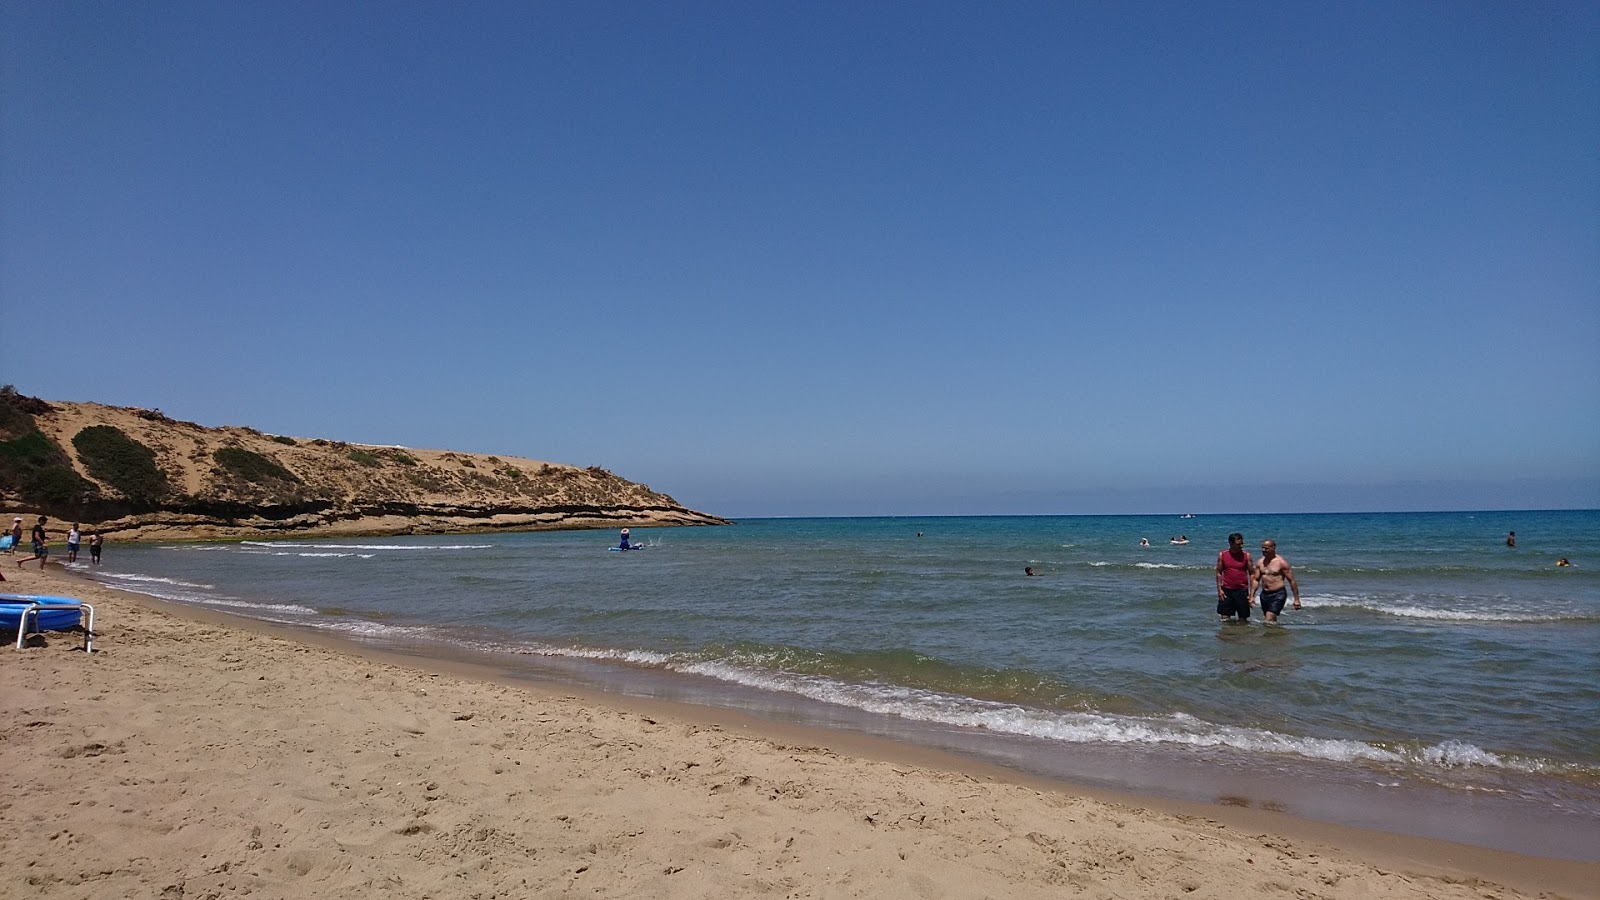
(1430, 661)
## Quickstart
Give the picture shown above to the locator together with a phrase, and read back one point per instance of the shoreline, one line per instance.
(801, 809)
(184, 531)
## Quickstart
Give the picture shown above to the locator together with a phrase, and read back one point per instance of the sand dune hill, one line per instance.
(142, 474)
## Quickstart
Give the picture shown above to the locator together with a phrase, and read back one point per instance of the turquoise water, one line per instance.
(1428, 655)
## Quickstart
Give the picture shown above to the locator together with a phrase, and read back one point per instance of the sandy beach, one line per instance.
(194, 756)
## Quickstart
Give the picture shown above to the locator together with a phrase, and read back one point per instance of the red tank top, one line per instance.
(1235, 571)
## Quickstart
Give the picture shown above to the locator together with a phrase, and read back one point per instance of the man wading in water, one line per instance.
(1234, 580)
(1268, 576)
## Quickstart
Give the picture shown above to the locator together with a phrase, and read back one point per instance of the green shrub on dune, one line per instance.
(365, 458)
(120, 461)
(252, 466)
(33, 468)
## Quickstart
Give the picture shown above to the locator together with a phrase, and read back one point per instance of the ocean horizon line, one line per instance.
(1179, 515)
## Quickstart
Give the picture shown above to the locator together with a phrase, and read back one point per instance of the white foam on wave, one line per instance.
(234, 603)
(291, 545)
(152, 579)
(635, 657)
(1439, 613)
(366, 629)
(187, 592)
(1145, 565)
(1067, 727)
(1178, 729)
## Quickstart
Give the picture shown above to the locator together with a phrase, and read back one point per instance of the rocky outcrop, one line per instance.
(141, 474)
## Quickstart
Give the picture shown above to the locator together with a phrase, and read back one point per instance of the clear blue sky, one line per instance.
(834, 258)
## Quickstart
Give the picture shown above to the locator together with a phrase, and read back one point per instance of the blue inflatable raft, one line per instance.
(34, 613)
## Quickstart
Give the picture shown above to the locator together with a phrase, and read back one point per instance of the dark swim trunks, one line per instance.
(1272, 601)
(1234, 602)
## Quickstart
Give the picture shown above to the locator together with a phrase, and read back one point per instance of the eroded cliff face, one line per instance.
(140, 474)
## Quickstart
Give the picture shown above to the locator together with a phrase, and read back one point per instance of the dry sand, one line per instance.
(192, 756)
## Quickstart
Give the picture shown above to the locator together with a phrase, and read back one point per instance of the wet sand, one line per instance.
(197, 755)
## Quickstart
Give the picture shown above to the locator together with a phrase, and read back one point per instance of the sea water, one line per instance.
(1435, 681)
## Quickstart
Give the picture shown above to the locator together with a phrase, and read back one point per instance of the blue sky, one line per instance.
(834, 258)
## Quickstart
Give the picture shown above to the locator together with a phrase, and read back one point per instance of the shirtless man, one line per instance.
(1269, 576)
(1234, 580)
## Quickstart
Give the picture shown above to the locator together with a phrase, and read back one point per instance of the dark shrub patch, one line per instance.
(32, 467)
(32, 448)
(365, 458)
(57, 486)
(287, 441)
(428, 480)
(121, 462)
(251, 466)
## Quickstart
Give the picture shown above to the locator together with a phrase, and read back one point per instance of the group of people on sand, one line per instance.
(41, 542)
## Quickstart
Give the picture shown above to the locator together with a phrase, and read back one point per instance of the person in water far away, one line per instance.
(1269, 576)
(1511, 539)
(625, 545)
(1233, 580)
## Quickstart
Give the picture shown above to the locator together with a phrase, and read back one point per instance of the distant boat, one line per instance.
(1187, 516)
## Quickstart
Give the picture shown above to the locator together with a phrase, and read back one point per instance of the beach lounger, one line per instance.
(45, 614)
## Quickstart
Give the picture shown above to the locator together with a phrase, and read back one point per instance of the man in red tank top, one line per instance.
(1233, 580)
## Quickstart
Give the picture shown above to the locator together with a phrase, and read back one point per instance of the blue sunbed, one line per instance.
(45, 614)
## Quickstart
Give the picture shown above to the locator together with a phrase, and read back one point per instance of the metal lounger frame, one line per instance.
(35, 608)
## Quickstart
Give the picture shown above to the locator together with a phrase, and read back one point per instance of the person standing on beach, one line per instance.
(16, 535)
(94, 548)
(1269, 576)
(73, 540)
(41, 549)
(1233, 580)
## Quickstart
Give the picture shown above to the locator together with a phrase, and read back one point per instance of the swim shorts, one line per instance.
(1272, 601)
(1234, 602)
(40, 550)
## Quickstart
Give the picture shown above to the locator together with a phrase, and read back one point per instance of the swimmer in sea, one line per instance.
(1028, 570)
(1269, 576)
(1562, 563)
(1144, 542)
